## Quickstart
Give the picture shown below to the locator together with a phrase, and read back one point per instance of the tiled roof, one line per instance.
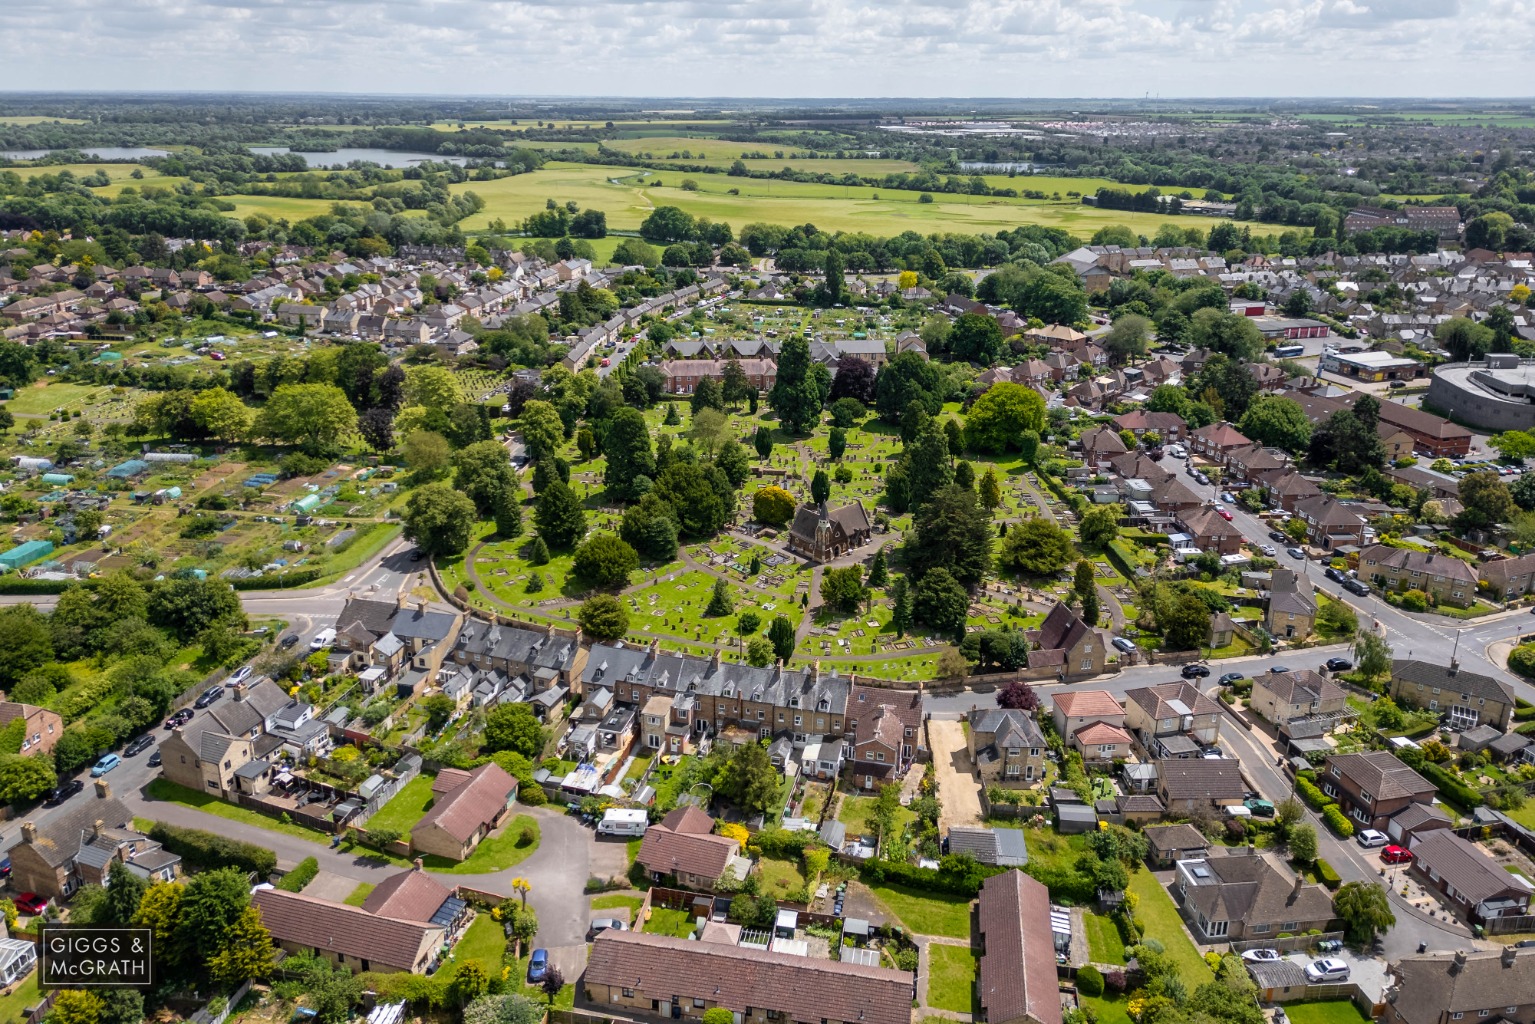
(478, 802)
(337, 928)
(1087, 703)
(1462, 865)
(1427, 986)
(1413, 560)
(1380, 772)
(670, 852)
(408, 896)
(1300, 686)
(1252, 890)
(735, 977)
(1017, 977)
(59, 840)
(1199, 778)
(1175, 837)
(1100, 733)
(1156, 700)
(1452, 681)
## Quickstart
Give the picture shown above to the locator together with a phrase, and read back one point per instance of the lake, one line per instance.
(344, 156)
(98, 152)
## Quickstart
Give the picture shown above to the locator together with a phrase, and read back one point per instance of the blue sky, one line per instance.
(780, 48)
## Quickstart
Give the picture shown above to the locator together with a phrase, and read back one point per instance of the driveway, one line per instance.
(958, 792)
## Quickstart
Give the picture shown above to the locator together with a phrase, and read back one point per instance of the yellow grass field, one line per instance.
(29, 119)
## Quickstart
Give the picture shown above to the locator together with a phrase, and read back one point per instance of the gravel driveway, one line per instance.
(958, 791)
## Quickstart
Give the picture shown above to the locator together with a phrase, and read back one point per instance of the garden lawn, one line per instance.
(666, 921)
(927, 913)
(1103, 939)
(1107, 1009)
(26, 995)
(359, 895)
(780, 875)
(950, 977)
(854, 812)
(613, 901)
(170, 792)
(1333, 1011)
(497, 853)
(484, 941)
(1157, 912)
(405, 808)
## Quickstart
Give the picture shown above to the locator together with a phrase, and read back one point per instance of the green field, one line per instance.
(950, 977)
(627, 200)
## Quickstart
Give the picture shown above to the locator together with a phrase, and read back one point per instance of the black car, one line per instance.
(154, 759)
(1279, 536)
(1339, 665)
(63, 791)
(210, 695)
(288, 641)
(1356, 588)
(139, 745)
(1231, 677)
(181, 717)
(1336, 575)
(1194, 672)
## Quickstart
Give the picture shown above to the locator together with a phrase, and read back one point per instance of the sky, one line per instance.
(775, 48)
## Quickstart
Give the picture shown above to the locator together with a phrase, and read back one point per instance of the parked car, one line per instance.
(1124, 645)
(1278, 670)
(1230, 677)
(1357, 588)
(1295, 552)
(139, 745)
(5, 868)
(1228, 496)
(289, 641)
(1394, 854)
(1397, 384)
(209, 695)
(1223, 513)
(1262, 956)
(1268, 549)
(31, 903)
(1370, 838)
(1339, 665)
(240, 674)
(323, 639)
(154, 759)
(106, 764)
(1279, 535)
(603, 924)
(1202, 478)
(1335, 574)
(538, 965)
(181, 717)
(1260, 808)
(1326, 969)
(1194, 672)
(63, 791)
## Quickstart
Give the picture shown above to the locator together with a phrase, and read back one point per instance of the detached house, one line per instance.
(1093, 723)
(467, 808)
(1476, 985)
(1372, 786)
(1235, 898)
(1466, 699)
(683, 846)
(1067, 644)
(1006, 747)
(1296, 700)
(1475, 883)
(1172, 720)
(1291, 610)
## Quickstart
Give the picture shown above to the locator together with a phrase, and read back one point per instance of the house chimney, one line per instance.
(98, 827)
(1509, 952)
(815, 671)
(28, 832)
(103, 789)
(1295, 893)
(1460, 962)
(714, 659)
(420, 864)
(421, 607)
(238, 689)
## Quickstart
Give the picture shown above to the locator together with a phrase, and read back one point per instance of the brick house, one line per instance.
(1214, 440)
(1372, 786)
(1472, 881)
(684, 375)
(467, 807)
(683, 846)
(42, 730)
(1211, 531)
(887, 733)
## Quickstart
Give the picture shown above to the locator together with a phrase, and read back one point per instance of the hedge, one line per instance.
(209, 851)
(949, 878)
(300, 876)
(1090, 981)
(1450, 786)
(21, 585)
(282, 581)
(1314, 798)
(1328, 876)
(1337, 822)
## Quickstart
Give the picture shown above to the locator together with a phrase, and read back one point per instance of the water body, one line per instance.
(344, 156)
(1025, 167)
(98, 152)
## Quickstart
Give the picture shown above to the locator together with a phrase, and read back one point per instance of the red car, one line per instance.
(1395, 855)
(31, 903)
(1224, 514)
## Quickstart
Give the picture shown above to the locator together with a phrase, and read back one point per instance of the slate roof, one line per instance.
(614, 665)
(1424, 987)
(339, 928)
(422, 624)
(1380, 772)
(1457, 681)
(1459, 862)
(1002, 847)
(58, 841)
(736, 977)
(473, 805)
(1016, 977)
(375, 616)
(1199, 778)
(1006, 726)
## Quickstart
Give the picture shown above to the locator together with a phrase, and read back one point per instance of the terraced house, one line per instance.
(1445, 579)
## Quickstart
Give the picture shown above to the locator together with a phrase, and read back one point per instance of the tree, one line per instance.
(76, 1006)
(1086, 588)
(427, 453)
(1019, 696)
(1485, 500)
(538, 552)
(650, 527)
(762, 440)
(1036, 546)
(720, 602)
(1464, 339)
(554, 979)
(975, 338)
(836, 443)
(1277, 422)
(377, 429)
(211, 904)
(1346, 442)
(1231, 334)
(990, 490)
(1303, 843)
(854, 379)
(780, 634)
(247, 953)
(795, 396)
(1099, 526)
(902, 610)
(1186, 623)
(605, 560)
(186, 607)
(906, 379)
(514, 727)
(1372, 655)
(222, 415)
(700, 496)
(940, 601)
(28, 642)
(707, 395)
(439, 707)
(629, 455)
(1364, 910)
(998, 418)
(560, 517)
(954, 532)
(483, 474)
(749, 780)
(879, 571)
(843, 589)
(772, 505)
(25, 778)
(315, 416)
(124, 892)
(603, 617)
(508, 514)
(542, 429)
(820, 487)
(1126, 340)
(439, 519)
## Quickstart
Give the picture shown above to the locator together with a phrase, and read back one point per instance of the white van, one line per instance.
(323, 639)
(620, 822)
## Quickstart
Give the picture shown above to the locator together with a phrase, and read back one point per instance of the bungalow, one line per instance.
(1232, 899)
(1168, 844)
(1475, 884)
(469, 805)
(1016, 982)
(682, 846)
(1200, 785)
(346, 935)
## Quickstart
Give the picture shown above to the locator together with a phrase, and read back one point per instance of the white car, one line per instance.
(1268, 549)
(1326, 969)
(1262, 956)
(241, 674)
(1370, 838)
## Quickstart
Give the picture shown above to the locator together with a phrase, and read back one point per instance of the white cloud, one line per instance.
(772, 47)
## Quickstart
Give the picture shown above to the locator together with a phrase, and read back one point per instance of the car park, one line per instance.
(1262, 956)
(1230, 677)
(1295, 552)
(1326, 969)
(106, 764)
(63, 791)
(1394, 854)
(1339, 665)
(1370, 838)
(1121, 644)
(209, 695)
(139, 745)
(1194, 672)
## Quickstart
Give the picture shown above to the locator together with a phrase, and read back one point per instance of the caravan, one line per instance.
(620, 822)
